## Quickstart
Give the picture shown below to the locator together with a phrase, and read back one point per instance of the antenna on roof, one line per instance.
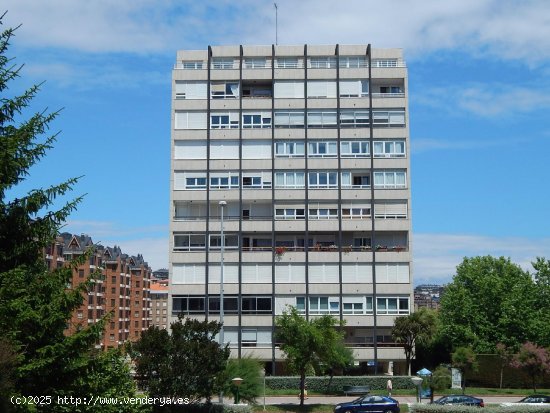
(276, 24)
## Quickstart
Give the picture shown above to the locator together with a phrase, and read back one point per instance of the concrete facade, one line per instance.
(318, 212)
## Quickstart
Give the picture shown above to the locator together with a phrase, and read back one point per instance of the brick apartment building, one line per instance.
(122, 287)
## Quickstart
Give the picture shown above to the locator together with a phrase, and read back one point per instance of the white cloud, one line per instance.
(436, 256)
(507, 29)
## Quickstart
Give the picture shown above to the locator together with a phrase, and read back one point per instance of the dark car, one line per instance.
(534, 399)
(459, 399)
(382, 404)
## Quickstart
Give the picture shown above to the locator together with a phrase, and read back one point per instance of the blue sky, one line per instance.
(479, 96)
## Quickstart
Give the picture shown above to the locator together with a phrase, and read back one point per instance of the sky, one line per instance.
(479, 101)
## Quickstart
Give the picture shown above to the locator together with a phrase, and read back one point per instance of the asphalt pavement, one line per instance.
(340, 399)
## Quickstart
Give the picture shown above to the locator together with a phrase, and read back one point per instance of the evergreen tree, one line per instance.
(35, 304)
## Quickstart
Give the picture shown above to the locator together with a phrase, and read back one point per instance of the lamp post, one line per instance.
(417, 382)
(237, 383)
(262, 372)
(222, 205)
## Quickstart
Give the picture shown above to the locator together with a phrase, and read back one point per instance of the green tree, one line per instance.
(307, 343)
(490, 300)
(250, 370)
(35, 305)
(441, 378)
(464, 359)
(187, 363)
(534, 360)
(505, 356)
(338, 359)
(540, 324)
(416, 328)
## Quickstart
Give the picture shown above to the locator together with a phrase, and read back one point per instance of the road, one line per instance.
(341, 399)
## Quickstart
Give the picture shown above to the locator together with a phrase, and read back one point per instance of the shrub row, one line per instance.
(323, 384)
(204, 408)
(431, 408)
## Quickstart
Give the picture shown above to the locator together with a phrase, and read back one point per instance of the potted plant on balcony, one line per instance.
(347, 249)
(398, 248)
(381, 248)
(279, 252)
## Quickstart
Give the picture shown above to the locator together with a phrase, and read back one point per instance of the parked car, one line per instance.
(459, 399)
(534, 399)
(381, 404)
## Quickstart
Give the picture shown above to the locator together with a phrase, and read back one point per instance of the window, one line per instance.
(190, 90)
(323, 213)
(321, 89)
(361, 242)
(190, 120)
(230, 305)
(223, 63)
(231, 241)
(321, 119)
(390, 179)
(301, 304)
(326, 149)
(224, 181)
(354, 149)
(392, 305)
(289, 180)
(289, 213)
(187, 305)
(322, 62)
(80, 273)
(353, 62)
(255, 63)
(256, 305)
(289, 149)
(354, 88)
(388, 210)
(354, 118)
(384, 63)
(289, 89)
(188, 242)
(79, 314)
(323, 180)
(356, 180)
(182, 181)
(352, 308)
(391, 90)
(260, 180)
(289, 119)
(353, 212)
(192, 64)
(389, 149)
(224, 149)
(391, 118)
(287, 63)
(224, 90)
(257, 120)
(229, 120)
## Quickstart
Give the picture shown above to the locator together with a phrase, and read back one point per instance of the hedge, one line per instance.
(321, 384)
(432, 408)
(204, 408)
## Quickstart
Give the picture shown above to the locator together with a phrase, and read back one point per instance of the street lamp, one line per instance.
(222, 205)
(237, 383)
(417, 382)
(262, 372)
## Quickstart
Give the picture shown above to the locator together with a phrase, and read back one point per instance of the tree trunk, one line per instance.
(302, 386)
(501, 374)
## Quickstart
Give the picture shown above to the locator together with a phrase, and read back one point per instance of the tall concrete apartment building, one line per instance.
(308, 148)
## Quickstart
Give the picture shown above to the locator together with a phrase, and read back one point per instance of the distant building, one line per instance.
(428, 296)
(161, 274)
(159, 303)
(121, 287)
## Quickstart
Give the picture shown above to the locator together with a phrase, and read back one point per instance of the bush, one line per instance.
(433, 408)
(248, 369)
(441, 378)
(320, 383)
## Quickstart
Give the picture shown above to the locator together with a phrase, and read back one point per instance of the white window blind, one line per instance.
(190, 150)
(179, 180)
(391, 210)
(190, 90)
(289, 273)
(321, 89)
(356, 273)
(230, 274)
(256, 273)
(188, 274)
(392, 273)
(323, 273)
(263, 336)
(190, 120)
(224, 149)
(289, 89)
(257, 149)
(354, 88)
